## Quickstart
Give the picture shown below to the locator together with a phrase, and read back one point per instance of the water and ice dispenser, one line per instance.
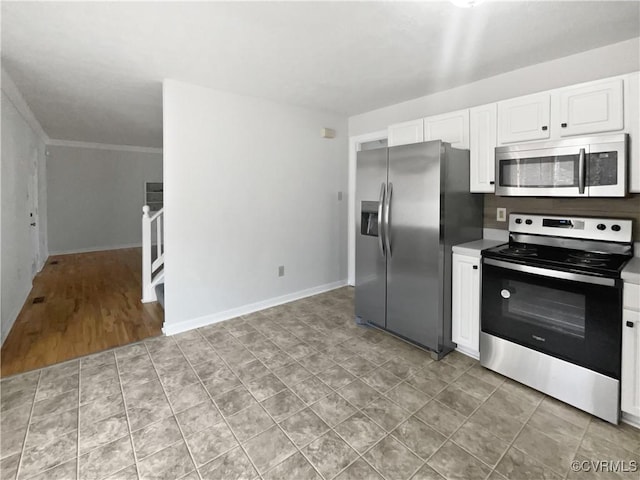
(369, 219)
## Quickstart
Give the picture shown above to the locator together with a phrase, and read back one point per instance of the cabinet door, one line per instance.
(632, 116)
(465, 309)
(406, 132)
(482, 144)
(451, 127)
(630, 378)
(524, 119)
(591, 109)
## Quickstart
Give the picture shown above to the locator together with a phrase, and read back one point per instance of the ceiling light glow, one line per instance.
(466, 3)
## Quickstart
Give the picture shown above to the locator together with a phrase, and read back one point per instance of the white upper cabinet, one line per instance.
(610, 105)
(482, 144)
(451, 127)
(632, 127)
(524, 119)
(593, 108)
(406, 132)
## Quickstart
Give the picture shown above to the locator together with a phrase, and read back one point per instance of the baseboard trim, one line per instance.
(468, 353)
(250, 308)
(630, 420)
(96, 249)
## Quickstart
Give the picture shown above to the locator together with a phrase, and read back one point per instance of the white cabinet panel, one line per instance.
(451, 127)
(465, 307)
(630, 377)
(482, 144)
(631, 296)
(406, 132)
(594, 108)
(632, 126)
(524, 119)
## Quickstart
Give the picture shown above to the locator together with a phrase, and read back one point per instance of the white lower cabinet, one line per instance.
(630, 378)
(465, 303)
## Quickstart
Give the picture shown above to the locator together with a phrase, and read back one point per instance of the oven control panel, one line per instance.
(607, 229)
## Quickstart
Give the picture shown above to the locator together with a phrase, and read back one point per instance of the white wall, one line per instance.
(95, 196)
(616, 59)
(22, 155)
(249, 185)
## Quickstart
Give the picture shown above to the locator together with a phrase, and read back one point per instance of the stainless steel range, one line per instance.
(552, 308)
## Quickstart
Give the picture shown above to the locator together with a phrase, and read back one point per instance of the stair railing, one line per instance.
(152, 261)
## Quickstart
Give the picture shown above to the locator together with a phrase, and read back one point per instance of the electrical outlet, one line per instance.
(281, 271)
(501, 214)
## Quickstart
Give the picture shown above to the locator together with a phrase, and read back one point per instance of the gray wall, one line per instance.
(95, 197)
(22, 158)
(249, 185)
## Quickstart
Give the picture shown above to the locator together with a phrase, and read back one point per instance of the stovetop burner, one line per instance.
(594, 262)
(590, 256)
(592, 246)
(521, 251)
(602, 264)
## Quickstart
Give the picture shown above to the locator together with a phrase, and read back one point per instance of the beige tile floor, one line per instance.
(294, 392)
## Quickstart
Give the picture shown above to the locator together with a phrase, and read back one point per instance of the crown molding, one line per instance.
(15, 97)
(102, 146)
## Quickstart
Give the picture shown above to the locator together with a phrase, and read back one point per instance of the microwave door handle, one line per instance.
(582, 170)
(380, 222)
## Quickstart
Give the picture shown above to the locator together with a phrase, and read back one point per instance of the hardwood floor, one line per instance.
(91, 303)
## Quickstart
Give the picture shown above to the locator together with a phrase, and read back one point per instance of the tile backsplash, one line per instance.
(628, 207)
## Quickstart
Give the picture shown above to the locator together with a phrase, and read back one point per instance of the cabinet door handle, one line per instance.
(544, 128)
(475, 267)
(563, 125)
(630, 324)
(492, 182)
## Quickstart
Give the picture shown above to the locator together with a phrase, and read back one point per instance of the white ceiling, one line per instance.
(92, 71)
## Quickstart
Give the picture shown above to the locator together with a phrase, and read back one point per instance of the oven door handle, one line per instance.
(576, 277)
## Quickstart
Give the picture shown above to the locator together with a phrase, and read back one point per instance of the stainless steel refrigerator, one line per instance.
(413, 205)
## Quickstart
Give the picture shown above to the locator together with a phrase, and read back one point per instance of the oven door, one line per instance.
(574, 317)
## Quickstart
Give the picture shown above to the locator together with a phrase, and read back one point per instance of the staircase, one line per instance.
(152, 256)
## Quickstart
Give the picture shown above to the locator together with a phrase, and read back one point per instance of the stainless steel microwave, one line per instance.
(576, 167)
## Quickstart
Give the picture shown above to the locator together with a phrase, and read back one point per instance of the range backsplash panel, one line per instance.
(628, 207)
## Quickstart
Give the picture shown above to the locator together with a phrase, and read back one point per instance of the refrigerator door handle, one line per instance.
(380, 222)
(387, 219)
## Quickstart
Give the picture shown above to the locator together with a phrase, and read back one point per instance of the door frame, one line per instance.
(354, 147)
(34, 211)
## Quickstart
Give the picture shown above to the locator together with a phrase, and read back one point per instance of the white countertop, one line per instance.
(631, 272)
(472, 249)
